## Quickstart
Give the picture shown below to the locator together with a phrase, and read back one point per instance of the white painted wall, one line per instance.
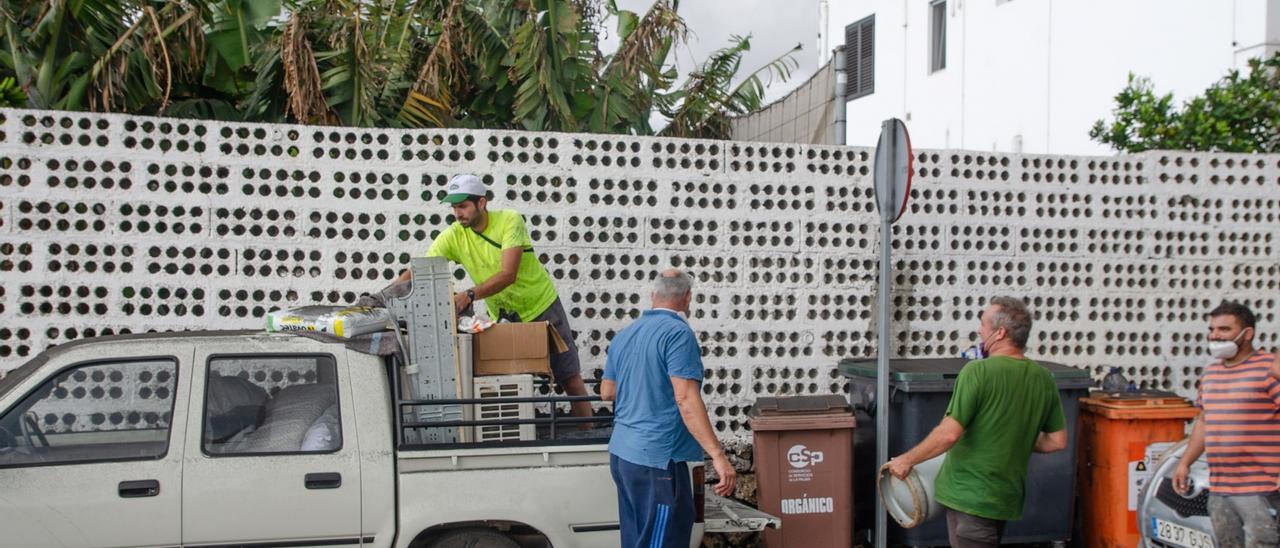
(1256, 35)
(1042, 71)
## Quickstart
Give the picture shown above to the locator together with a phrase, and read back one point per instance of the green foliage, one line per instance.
(503, 64)
(703, 105)
(10, 94)
(1240, 113)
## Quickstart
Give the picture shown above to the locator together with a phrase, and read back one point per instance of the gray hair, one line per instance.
(1012, 314)
(672, 285)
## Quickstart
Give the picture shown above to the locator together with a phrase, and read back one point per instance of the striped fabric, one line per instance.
(660, 526)
(1242, 426)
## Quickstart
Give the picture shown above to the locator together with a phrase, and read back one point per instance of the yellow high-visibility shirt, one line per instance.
(481, 255)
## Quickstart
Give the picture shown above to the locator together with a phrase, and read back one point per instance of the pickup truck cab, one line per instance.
(246, 438)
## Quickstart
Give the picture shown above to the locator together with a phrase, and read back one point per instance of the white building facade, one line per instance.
(1033, 75)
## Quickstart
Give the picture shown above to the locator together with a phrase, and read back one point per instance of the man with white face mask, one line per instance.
(1239, 427)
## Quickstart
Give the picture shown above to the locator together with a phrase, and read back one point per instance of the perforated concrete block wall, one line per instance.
(112, 224)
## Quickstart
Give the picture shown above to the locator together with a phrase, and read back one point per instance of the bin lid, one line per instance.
(1139, 405)
(801, 413)
(800, 405)
(1141, 398)
(931, 374)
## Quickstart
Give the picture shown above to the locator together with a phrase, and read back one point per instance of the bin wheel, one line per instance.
(474, 538)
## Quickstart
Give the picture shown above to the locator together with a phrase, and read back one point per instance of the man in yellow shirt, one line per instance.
(495, 249)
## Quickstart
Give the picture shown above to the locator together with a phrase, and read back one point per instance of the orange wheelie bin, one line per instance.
(1115, 430)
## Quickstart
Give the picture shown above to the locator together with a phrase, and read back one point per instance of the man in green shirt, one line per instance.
(495, 249)
(1003, 408)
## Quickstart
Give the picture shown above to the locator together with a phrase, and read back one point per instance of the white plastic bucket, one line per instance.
(911, 501)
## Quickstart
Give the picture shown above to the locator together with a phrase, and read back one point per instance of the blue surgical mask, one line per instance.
(973, 353)
(977, 352)
(982, 345)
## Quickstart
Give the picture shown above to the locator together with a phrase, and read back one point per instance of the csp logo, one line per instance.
(800, 456)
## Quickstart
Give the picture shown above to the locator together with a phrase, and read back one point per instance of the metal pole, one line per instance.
(824, 20)
(882, 374)
(892, 185)
(838, 111)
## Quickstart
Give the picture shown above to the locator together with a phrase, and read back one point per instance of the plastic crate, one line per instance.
(504, 386)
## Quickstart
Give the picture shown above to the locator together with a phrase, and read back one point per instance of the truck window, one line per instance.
(260, 405)
(102, 411)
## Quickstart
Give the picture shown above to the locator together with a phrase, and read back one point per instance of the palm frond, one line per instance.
(748, 96)
(422, 111)
(547, 66)
(703, 105)
(306, 103)
(445, 66)
(265, 103)
(184, 31)
(351, 74)
(695, 110)
(635, 72)
(642, 38)
(155, 48)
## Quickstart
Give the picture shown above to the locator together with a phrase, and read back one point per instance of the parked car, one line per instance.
(1167, 518)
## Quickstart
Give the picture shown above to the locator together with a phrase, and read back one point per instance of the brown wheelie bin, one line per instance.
(804, 466)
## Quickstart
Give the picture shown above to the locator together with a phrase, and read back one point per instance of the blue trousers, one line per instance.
(655, 507)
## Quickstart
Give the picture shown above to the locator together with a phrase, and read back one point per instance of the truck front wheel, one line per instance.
(473, 538)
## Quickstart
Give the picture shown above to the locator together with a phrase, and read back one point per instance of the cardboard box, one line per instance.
(516, 348)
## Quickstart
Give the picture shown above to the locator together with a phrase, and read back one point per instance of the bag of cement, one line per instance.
(340, 321)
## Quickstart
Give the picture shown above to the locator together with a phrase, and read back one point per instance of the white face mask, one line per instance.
(1223, 350)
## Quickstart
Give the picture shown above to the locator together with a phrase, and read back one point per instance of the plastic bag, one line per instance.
(473, 324)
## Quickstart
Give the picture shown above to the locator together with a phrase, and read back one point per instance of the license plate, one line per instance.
(1173, 533)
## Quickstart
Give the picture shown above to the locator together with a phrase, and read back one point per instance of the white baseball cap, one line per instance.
(462, 187)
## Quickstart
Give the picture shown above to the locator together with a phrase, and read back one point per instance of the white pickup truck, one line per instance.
(247, 438)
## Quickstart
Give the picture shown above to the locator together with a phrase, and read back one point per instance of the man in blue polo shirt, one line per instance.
(653, 374)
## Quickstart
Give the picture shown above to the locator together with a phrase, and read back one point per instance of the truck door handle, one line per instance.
(323, 480)
(140, 488)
